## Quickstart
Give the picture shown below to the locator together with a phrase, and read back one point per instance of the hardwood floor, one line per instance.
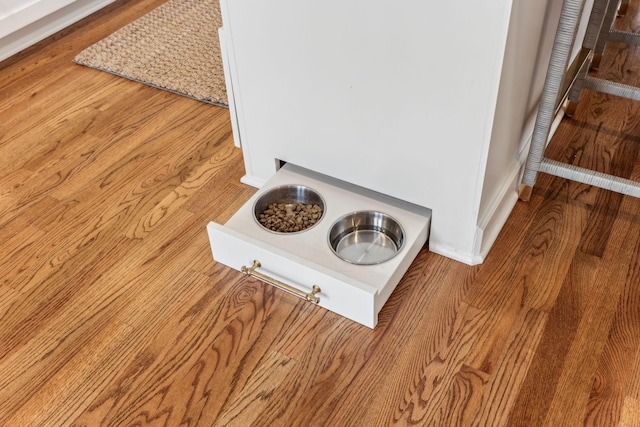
(112, 311)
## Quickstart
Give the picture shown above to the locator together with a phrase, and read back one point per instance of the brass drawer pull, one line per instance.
(251, 271)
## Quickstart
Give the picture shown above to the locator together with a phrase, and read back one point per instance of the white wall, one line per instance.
(25, 22)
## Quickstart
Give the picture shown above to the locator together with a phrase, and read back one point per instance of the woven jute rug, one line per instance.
(174, 47)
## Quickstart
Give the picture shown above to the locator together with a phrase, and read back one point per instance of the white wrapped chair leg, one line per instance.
(564, 82)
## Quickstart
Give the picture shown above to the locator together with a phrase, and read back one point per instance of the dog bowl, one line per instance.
(289, 197)
(366, 237)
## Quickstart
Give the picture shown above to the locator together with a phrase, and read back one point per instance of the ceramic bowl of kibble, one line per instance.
(289, 209)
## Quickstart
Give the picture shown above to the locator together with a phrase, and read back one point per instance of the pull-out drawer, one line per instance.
(348, 262)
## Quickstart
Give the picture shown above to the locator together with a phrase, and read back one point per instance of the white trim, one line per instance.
(249, 180)
(448, 252)
(35, 21)
(490, 225)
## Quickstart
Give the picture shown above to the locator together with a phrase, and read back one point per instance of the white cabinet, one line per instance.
(397, 97)
(429, 102)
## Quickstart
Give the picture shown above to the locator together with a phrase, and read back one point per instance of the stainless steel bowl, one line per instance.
(288, 195)
(366, 237)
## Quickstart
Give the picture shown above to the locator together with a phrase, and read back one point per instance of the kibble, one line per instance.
(290, 217)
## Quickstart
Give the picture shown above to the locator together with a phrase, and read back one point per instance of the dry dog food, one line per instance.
(290, 217)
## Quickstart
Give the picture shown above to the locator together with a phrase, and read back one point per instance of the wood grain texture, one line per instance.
(113, 312)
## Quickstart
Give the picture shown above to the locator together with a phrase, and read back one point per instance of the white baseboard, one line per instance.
(249, 180)
(28, 25)
(455, 255)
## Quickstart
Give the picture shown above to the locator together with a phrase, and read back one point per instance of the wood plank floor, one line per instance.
(112, 311)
